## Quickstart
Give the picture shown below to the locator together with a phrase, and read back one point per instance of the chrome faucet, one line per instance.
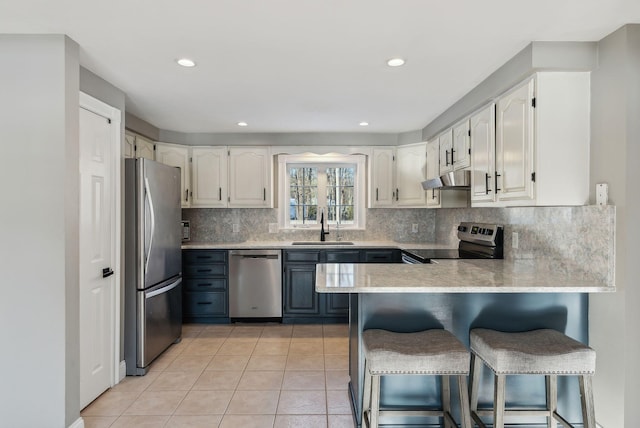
(323, 234)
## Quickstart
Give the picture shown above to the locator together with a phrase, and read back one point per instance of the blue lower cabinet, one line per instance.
(205, 297)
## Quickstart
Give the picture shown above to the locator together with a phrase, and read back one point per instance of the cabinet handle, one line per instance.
(206, 284)
(397, 194)
(205, 303)
(486, 183)
(433, 193)
(204, 270)
(496, 180)
(219, 193)
(452, 151)
(186, 195)
(446, 157)
(264, 193)
(376, 193)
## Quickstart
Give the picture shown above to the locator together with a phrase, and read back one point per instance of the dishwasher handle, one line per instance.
(255, 254)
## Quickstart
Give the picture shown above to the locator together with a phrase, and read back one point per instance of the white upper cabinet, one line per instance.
(433, 171)
(396, 175)
(209, 173)
(461, 147)
(541, 144)
(178, 156)
(382, 170)
(483, 159)
(411, 168)
(514, 144)
(446, 145)
(137, 146)
(250, 177)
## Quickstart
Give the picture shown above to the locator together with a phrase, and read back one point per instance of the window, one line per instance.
(311, 185)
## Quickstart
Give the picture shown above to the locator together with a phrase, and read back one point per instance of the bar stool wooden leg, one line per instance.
(586, 397)
(552, 399)
(366, 394)
(474, 376)
(498, 401)
(375, 401)
(465, 417)
(445, 388)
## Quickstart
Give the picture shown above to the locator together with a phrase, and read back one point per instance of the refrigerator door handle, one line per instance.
(152, 217)
(148, 295)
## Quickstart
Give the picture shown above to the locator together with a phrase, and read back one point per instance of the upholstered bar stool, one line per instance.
(430, 352)
(542, 352)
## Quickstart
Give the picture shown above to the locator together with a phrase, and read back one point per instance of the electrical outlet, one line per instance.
(602, 193)
(273, 227)
(515, 240)
(235, 227)
(414, 228)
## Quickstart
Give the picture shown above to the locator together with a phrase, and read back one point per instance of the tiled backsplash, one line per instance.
(580, 237)
(216, 225)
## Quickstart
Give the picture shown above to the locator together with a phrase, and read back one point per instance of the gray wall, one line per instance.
(39, 82)
(275, 139)
(537, 56)
(615, 151)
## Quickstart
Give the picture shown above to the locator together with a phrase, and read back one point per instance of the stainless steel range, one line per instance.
(477, 241)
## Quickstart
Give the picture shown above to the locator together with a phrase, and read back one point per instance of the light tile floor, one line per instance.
(241, 375)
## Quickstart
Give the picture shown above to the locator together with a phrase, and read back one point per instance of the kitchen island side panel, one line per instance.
(458, 313)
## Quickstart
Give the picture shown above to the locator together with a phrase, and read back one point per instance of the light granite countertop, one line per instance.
(456, 276)
(311, 244)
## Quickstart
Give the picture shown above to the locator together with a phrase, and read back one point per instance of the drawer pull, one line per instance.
(205, 303)
(203, 257)
(205, 285)
(204, 270)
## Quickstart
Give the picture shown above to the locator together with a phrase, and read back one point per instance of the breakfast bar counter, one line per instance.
(459, 295)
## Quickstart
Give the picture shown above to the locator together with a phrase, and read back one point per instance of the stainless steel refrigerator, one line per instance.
(153, 262)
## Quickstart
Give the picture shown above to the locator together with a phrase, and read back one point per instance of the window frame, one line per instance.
(322, 162)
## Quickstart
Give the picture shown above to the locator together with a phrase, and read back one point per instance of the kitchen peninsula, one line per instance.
(507, 295)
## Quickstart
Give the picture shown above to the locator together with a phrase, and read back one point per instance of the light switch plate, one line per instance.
(602, 193)
(235, 227)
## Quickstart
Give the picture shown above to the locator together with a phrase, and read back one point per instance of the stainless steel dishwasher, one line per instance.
(255, 284)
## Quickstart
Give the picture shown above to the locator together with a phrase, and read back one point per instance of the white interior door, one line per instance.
(97, 253)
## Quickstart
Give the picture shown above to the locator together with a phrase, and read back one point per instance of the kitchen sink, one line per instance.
(322, 243)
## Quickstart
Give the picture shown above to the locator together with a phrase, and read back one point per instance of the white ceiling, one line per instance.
(305, 65)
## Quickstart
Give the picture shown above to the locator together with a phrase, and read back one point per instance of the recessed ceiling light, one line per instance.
(364, 123)
(186, 62)
(243, 124)
(395, 62)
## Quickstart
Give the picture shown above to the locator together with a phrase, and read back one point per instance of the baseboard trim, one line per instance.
(79, 423)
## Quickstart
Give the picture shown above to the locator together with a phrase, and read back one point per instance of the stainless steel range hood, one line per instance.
(460, 180)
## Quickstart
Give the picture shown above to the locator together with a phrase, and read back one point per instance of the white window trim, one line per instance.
(313, 159)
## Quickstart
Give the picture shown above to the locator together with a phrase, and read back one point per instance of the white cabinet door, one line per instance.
(433, 171)
(461, 147)
(514, 144)
(483, 161)
(249, 177)
(382, 190)
(411, 166)
(209, 177)
(144, 148)
(446, 145)
(178, 156)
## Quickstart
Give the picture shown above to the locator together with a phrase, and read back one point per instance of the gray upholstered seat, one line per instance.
(424, 352)
(545, 352)
(538, 351)
(431, 352)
